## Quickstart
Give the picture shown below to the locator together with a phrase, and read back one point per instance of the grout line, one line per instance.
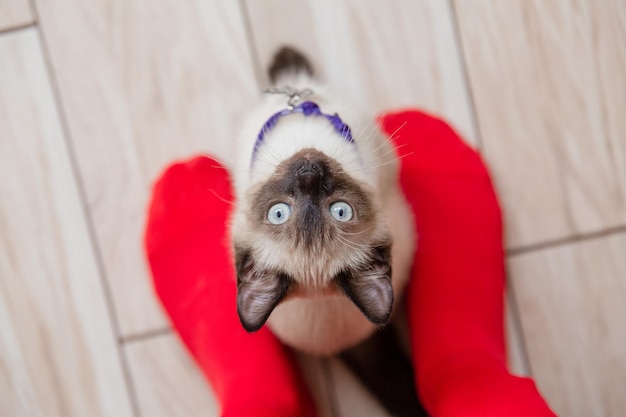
(130, 385)
(516, 320)
(18, 28)
(140, 337)
(89, 223)
(521, 250)
(466, 80)
(254, 53)
(330, 388)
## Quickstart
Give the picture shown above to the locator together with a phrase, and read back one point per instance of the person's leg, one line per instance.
(188, 251)
(455, 297)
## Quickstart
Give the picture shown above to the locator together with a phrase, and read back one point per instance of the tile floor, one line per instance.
(96, 97)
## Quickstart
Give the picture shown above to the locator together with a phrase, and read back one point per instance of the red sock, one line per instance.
(186, 242)
(455, 298)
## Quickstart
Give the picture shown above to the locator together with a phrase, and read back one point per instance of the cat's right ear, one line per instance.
(258, 291)
(370, 287)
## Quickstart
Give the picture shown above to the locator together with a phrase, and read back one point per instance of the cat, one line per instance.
(322, 236)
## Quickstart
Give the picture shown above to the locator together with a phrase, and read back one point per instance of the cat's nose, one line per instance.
(309, 176)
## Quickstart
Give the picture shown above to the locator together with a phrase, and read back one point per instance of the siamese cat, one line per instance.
(323, 237)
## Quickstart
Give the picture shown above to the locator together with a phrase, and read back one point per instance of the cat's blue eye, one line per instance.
(341, 211)
(278, 213)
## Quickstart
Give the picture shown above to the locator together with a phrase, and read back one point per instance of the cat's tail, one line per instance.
(289, 63)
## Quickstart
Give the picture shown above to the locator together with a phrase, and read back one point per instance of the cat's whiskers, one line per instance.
(392, 135)
(370, 134)
(353, 245)
(277, 158)
(219, 197)
(357, 233)
(379, 147)
(220, 167)
(391, 151)
(265, 162)
(384, 163)
(347, 243)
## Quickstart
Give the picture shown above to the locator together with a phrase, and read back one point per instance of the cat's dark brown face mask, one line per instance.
(314, 230)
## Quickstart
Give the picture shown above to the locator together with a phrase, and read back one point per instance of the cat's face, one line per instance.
(310, 230)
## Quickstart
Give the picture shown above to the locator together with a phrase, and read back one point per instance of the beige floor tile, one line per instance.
(609, 27)
(352, 398)
(142, 83)
(58, 351)
(573, 315)
(15, 13)
(378, 55)
(167, 381)
(533, 66)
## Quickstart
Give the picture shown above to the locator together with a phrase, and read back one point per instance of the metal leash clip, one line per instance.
(294, 95)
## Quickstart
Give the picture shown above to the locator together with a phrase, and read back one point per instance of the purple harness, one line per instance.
(307, 108)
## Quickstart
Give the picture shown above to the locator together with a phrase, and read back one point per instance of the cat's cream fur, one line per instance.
(314, 316)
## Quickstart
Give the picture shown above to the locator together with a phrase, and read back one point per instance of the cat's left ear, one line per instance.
(258, 291)
(370, 287)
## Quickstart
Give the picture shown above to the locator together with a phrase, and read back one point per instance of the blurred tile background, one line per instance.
(97, 97)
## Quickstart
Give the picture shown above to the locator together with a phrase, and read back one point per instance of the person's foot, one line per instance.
(189, 253)
(455, 299)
